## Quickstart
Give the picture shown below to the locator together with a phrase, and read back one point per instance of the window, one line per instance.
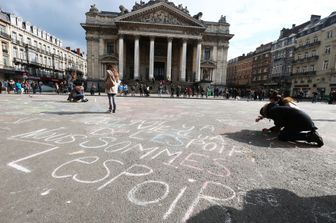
(4, 47)
(206, 54)
(109, 48)
(22, 54)
(28, 41)
(15, 52)
(35, 43)
(312, 68)
(329, 34)
(306, 55)
(315, 39)
(2, 29)
(327, 50)
(325, 65)
(14, 36)
(20, 38)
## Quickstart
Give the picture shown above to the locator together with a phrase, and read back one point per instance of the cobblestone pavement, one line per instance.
(160, 160)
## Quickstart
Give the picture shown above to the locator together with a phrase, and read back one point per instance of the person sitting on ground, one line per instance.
(291, 123)
(77, 92)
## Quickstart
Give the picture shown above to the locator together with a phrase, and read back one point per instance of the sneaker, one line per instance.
(85, 100)
(315, 137)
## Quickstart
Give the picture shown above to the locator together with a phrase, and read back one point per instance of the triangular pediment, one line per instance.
(160, 14)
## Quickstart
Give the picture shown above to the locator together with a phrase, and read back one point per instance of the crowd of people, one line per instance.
(20, 86)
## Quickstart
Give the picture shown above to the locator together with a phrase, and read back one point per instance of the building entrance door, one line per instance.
(159, 70)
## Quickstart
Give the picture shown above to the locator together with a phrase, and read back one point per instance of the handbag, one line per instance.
(109, 83)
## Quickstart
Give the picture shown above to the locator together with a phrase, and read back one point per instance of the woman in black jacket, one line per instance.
(293, 124)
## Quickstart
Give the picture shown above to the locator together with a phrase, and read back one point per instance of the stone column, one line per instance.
(151, 58)
(183, 61)
(121, 56)
(198, 61)
(169, 58)
(136, 57)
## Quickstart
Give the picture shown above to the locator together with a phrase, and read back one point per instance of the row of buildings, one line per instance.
(302, 59)
(28, 52)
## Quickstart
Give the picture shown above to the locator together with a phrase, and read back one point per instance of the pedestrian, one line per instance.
(291, 123)
(111, 86)
(93, 89)
(314, 99)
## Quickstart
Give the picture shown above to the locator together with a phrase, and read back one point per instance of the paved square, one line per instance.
(159, 160)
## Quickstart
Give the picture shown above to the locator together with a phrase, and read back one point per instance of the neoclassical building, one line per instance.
(157, 40)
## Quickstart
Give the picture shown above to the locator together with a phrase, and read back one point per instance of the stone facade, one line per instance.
(5, 45)
(157, 40)
(314, 60)
(261, 66)
(35, 54)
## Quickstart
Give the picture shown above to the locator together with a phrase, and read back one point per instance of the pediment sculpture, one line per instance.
(161, 17)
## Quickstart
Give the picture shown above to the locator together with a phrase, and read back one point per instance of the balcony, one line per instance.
(309, 45)
(305, 73)
(5, 35)
(306, 59)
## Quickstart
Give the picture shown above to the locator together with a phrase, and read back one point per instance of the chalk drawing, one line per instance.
(173, 205)
(187, 159)
(167, 139)
(77, 152)
(127, 173)
(91, 145)
(175, 156)
(25, 120)
(118, 147)
(213, 200)
(46, 192)
(208, 127)
(140, 148)
(85, 160)
(15, 165)
(132, 193)
(226, 171)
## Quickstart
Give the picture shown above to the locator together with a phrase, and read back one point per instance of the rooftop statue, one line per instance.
(222, 19)
(198, 16)
(123, 10)
(93, 8)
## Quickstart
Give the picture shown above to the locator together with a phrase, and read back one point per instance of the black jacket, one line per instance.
(291, 118)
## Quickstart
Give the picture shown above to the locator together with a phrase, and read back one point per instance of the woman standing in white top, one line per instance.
(111, 86)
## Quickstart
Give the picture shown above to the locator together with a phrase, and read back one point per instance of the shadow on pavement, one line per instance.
(75, 112)
(260, 139)
(272, 206)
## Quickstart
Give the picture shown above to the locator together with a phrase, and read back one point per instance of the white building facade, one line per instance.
(36, 54)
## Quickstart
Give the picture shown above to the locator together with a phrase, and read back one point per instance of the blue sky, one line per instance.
(253, 22)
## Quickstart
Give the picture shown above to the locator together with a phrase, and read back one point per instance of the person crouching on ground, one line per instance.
(77, 93)
(111, 86)
(291, 123)
(276, 98)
